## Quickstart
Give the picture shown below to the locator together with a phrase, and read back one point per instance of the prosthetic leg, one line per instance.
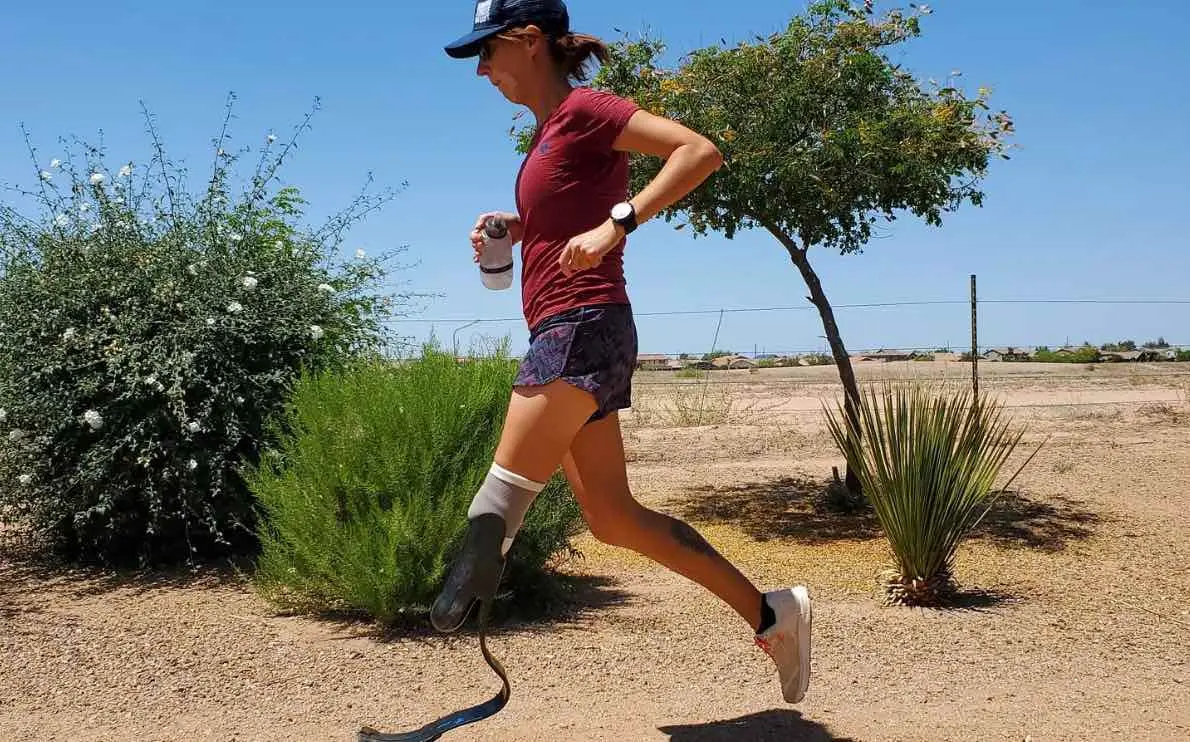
(475, 575)
(493, 520)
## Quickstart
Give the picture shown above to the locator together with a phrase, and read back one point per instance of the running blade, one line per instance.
(435, 729)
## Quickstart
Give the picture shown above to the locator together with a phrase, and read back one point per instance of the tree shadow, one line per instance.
(806, 510)
(777, 724)
(781, 508)
(1018, 521)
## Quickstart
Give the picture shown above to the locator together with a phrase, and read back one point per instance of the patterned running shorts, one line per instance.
(594, 348)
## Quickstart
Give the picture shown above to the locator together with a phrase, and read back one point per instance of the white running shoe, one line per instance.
(787, 641)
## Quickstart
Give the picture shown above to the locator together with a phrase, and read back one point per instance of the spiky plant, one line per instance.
(927, 459)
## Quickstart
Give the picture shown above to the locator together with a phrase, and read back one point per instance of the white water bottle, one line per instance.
(495, 262)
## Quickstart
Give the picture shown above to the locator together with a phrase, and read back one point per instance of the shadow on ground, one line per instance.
(807, 510)
(777, 724)
(27, 581)
(1020, 521)
(779, 508)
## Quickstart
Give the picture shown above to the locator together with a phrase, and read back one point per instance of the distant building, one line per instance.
(732, 362)
(887, 356)
(654, 362)
(1006, 354)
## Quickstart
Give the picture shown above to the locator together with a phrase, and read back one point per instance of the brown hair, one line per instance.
(572, 52)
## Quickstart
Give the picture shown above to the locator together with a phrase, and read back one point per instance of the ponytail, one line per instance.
(573, 52)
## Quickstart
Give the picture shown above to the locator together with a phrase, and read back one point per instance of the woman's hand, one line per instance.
(587, 249)
(516, 230)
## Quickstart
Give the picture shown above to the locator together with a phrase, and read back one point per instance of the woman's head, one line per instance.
(525, 46)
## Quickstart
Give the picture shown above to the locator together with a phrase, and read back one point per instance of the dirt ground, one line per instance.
(1075, 624)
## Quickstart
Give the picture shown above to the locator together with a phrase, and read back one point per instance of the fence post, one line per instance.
(974, 343)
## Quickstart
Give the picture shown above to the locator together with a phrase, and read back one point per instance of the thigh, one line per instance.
(596, 469)
(540, 427)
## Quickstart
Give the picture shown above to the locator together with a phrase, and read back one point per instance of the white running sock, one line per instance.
(508, 495)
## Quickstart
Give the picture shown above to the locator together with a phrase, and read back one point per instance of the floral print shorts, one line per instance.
(594, 348)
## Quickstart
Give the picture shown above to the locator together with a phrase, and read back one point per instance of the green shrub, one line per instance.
(927, 462)
(1084, 354)
(367, 493)
(148, 336)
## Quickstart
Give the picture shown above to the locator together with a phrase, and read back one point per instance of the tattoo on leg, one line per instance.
(685, 535)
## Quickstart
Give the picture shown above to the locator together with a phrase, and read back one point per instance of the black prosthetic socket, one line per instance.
(475, 575)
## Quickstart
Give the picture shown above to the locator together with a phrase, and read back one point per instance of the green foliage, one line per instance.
(1083, 354)
(367, 493)
(928, 461)
(148, 336)
(822, 132)
(1123, 345)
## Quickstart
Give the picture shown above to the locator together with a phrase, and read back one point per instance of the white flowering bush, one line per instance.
(148, 336)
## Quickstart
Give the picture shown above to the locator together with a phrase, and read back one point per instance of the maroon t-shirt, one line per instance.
(567, 185)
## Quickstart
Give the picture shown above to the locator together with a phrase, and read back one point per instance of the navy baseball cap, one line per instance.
(497, 16)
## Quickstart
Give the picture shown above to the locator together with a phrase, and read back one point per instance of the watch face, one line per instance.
(621, 211)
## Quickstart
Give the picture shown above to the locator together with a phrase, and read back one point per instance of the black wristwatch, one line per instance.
(624, 214)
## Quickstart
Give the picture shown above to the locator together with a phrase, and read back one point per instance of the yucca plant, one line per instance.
(927, 459)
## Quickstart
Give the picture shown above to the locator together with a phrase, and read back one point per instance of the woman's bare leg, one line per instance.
(596, 470)
(538, 428)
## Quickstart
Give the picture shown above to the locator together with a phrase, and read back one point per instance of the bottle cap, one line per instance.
(495, 227)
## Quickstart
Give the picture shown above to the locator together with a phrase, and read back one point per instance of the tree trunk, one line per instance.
(851, 400)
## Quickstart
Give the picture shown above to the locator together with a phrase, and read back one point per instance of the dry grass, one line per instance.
(693, 404)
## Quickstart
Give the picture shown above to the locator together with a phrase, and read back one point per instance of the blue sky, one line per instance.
(1088, 208)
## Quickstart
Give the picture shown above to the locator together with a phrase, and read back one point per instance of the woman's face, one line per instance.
(509, 63)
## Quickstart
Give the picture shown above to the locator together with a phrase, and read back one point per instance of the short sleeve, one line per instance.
(602, 116)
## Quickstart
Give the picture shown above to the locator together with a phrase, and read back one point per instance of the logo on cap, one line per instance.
(483, 11)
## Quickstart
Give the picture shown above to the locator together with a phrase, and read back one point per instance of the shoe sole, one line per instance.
(805, 630)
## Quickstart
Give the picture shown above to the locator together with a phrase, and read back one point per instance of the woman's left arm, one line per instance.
(689, 159)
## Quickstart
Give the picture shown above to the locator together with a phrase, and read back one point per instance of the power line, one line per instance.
(811, 308)
(991, 379)
(1039, 405)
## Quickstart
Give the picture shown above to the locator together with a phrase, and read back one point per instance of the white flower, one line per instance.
(55, 163)
(192, 426)
(69, 334)
(94, 419)
(15, 434)
(235, 307)
(25, 478)
(360, 254)
(316, 332)
(191, 464)
(46, 175)
(249, 282)
(62, 220)
(210, 321)
(279, 244)
(326, 287)
(236, 237)
(126, 171)
(97, 178)
(151, 380)
(239, 399)
(272, 138)
(3, 415)
(192, 269)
